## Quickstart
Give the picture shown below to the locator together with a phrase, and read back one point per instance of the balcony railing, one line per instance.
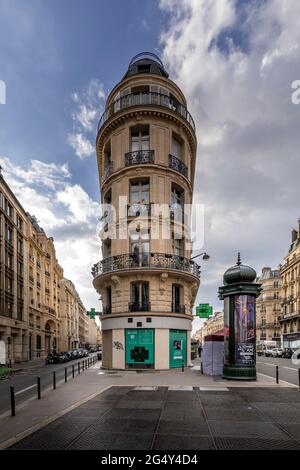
(146, 99)
(178, 165)
(107, 170)
(138, 210)
(107, 310)
(146, 260)
(139, 157)
(139, 306)
(177, 308)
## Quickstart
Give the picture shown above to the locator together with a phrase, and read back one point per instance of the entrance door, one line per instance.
(139, 348)
(177, 348)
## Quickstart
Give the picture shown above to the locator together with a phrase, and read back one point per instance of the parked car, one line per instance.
(287, 353)
(276, 352)
(268, 352)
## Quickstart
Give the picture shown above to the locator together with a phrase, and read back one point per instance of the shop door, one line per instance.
(177, 348)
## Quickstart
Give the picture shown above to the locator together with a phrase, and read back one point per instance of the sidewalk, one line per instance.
(84, 388)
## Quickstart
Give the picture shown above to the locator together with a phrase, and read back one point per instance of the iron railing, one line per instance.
(146, 260)
(107, 171)
(139, 157)
(177, 165)
(146, 99)
(177, 308)
(138, 210)
(139, 306)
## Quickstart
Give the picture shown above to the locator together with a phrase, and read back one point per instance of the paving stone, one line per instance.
(190, 427)
(240, 429)
(234, 415)
(163, 442)
(113, 425)
(255, 444)
(130, 413)
(140, 404)
(293, 429)
(114, 441)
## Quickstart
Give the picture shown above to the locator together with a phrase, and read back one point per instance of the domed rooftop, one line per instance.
(239, 273)
(146, 62)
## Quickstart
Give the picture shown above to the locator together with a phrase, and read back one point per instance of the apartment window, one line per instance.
(8, 209)
(139, 296)
(9, 260)
(19, 223)
(139, 138)
(20, 246)
(107, 155)
(20, 291)
(177, 147)
(9, 285)
(20, 268)
(139, 248)
(177, 245)
(9, 233)
(20, 312)
(176, 297)
(139, 192)
(177, 195)
(107, 248)
(38, 342)
(8, 309)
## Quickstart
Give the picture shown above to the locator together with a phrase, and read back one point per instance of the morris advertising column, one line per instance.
(239, 293)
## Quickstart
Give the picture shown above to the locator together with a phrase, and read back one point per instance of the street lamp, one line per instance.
(205, 256)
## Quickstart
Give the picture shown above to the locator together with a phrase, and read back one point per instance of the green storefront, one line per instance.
(139, 348)
(178, 350)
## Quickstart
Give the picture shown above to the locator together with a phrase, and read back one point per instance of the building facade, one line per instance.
(30, 286)
(290, 294)
(14, 315)
(212, 325)
(146, 149)
(268, 308)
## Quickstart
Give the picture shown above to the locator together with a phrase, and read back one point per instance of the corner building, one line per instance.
(146, 150)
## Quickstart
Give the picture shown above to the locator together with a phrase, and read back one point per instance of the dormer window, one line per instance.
(144, 68)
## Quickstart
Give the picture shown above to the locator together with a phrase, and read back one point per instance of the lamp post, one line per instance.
(205, 256)
(239, 293)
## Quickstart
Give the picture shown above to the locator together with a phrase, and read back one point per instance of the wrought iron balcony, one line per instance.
(107, 171)
(146, 260)
(139, 157)
(146, 99)
(138, 210)
(107, 310)
(177, 165)
(177, 308)
(139, 306)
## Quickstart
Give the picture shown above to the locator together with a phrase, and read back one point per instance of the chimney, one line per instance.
(294, 235)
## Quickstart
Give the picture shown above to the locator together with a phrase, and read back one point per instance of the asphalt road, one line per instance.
(287, 370)
(25, 380)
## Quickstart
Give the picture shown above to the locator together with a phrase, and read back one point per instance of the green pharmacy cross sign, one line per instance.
(92, 313)
(204, 310)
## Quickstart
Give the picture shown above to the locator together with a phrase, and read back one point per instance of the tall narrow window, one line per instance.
(139, 248)
(176, 298)
(139, 138)
(139, 192)
(139, 297)
(177, 147)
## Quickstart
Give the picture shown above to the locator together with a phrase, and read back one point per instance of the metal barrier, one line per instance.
(86, 363)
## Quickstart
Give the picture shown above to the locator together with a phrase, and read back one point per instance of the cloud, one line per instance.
(82, 146)
(81, 206)
(88, 107)
(235, 62)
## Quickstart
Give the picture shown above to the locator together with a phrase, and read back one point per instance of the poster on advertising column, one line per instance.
(244, 317)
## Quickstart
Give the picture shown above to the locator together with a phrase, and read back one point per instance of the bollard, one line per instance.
(54, 380)
(73, 371)
(39, 387)
(201, 368)
(182, 366)
(66, 374)
(277, 374)
(78, 367)
(83, 364)
(299, 378)
(12, 400)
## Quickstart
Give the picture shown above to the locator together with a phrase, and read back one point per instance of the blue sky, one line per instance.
(235, 61)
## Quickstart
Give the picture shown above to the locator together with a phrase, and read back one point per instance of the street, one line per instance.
(25, 381)
(287, 370)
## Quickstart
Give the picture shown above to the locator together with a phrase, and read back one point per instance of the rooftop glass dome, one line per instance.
(146, 62)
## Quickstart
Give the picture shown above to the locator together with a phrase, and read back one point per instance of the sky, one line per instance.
(235, 61)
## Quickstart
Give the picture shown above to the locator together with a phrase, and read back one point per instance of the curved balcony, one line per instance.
(146, 260)
(176, 164)
(146, 99)
(139, 157)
